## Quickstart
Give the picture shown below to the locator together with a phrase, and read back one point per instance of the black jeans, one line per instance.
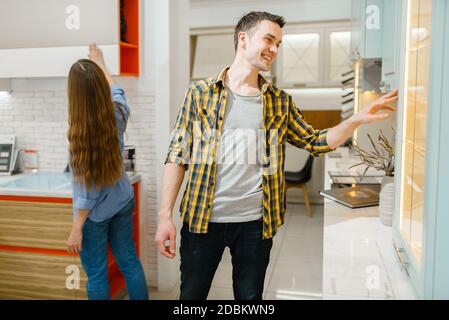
(201, 254)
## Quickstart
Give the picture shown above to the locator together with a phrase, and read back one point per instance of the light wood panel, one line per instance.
(33, 258)
(322, 119)
(38, 276)
(37, 225)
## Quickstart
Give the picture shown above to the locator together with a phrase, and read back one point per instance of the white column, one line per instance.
(169, 42)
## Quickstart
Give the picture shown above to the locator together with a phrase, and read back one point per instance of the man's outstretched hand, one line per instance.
(338, 134)
(369, 114)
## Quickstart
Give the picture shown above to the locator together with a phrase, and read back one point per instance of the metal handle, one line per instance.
(384, 87)
(355, 56)
(402, 260)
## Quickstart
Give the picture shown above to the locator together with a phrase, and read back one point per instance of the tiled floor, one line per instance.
(295, 269)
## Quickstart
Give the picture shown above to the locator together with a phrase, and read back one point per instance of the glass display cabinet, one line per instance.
(420, 245)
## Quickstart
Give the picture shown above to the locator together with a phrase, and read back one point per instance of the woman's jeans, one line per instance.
(201, 254)
(117, 231)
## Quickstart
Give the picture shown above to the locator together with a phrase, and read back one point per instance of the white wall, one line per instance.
(172, 56)
(221, 13)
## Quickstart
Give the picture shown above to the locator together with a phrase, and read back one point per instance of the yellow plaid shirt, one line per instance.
(194, 143)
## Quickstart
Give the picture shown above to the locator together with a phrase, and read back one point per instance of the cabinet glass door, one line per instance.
(339, 46)
(300, 59)
(415, 125)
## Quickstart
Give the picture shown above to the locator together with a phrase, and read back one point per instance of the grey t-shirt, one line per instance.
(238, 185)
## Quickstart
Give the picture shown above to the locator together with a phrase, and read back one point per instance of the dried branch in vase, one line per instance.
(382, 160)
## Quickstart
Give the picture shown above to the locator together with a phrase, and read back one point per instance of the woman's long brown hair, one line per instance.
(95, 159)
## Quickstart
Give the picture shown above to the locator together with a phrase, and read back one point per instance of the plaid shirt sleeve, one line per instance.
(181, 140)
(303, 135)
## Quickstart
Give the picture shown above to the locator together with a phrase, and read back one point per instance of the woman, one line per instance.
(103, 198)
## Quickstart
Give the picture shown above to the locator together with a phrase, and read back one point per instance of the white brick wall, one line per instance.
(39, 120)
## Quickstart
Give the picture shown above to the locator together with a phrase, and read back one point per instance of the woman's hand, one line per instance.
(74, 241)
(96, 55)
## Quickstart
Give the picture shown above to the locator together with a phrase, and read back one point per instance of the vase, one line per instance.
(386, 200)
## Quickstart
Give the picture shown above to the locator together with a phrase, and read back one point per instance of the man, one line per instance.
(227, 203)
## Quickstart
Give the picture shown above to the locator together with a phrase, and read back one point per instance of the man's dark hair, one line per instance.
(250, 20)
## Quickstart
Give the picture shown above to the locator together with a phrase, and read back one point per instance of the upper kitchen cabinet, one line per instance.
(313, 56)
(366, 29)
(44, 38)
(392, 16)
(420, 218)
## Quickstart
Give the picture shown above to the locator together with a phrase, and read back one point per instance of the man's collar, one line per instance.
(219, 79)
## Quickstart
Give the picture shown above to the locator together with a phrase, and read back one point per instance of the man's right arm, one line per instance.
(176, 163)
(166, 230)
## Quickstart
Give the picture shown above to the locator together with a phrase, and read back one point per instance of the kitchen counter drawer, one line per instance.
(35, 224)
(29, 275)
(33, 249)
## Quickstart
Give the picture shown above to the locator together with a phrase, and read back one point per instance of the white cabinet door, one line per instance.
(299, 60)
(366, 28)
(391, 40)
(43, 38)
(357, 32)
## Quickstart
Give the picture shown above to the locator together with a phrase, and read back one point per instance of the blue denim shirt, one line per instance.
(106, 202)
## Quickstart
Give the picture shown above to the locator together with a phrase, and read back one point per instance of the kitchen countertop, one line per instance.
(42, 184)
(359, 261)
